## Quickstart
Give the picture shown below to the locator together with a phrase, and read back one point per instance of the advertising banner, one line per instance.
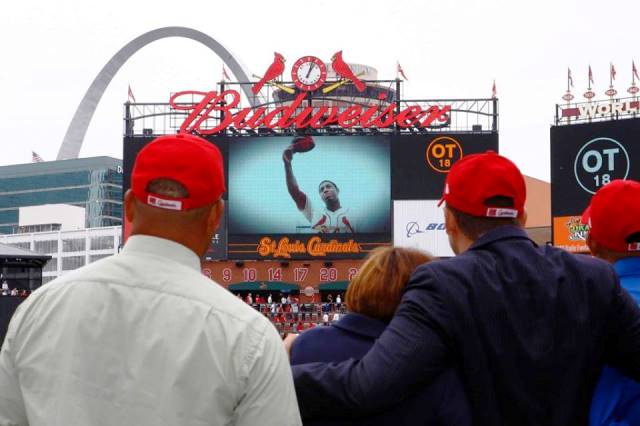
(570, 234)
(420, 224)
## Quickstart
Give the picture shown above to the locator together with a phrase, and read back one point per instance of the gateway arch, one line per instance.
(76, 131)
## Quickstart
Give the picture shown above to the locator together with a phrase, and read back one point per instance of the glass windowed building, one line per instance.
(93, 183)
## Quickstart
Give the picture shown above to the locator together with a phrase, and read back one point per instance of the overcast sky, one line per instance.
(52, 51)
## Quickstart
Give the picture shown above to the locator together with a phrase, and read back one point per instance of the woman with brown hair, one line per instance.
(372, 298)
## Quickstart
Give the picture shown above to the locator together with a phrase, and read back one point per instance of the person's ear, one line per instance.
(215, 216)
(129, 206)
(523, 218)
(450, 222)
(593, 245)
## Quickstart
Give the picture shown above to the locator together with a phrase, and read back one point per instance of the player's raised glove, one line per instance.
(302, 144)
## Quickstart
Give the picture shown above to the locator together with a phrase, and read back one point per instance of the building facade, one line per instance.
(92, 183)
(69, 249)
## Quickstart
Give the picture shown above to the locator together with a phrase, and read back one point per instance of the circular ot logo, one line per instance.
(442, 153)
(600, 161)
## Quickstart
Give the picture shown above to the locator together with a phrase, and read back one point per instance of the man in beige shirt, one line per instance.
(142, 337)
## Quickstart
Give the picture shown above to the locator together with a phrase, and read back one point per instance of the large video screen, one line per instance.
(287, 194)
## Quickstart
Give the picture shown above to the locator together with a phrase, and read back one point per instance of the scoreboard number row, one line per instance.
(275, 274)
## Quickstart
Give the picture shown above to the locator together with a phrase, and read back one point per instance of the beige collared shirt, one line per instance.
(142, 338)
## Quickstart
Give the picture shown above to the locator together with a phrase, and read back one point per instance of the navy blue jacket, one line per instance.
(530, 327)
(441, 403)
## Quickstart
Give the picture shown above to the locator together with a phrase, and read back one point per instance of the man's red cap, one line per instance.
(186, 159)
(614, 214)
(477, 177)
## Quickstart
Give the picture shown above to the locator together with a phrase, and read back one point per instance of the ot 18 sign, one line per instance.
(600, 161)
(585, 157)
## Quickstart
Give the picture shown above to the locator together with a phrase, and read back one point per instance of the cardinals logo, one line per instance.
(274, 71)
(344, 72)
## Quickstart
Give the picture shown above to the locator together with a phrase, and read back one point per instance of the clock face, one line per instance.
(309, 73)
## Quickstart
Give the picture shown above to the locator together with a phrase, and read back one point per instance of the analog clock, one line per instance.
(309, 73)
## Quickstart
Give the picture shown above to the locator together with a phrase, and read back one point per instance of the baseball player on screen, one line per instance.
(333, 217)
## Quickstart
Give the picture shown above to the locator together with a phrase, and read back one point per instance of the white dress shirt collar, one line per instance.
(161, 247)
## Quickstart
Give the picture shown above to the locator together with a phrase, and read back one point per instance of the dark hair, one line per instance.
(168, 187)
(474, 226)
(331, 182)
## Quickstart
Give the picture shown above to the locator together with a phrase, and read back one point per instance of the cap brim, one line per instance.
(585, 216)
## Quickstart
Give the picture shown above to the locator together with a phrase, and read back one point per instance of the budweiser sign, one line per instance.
(224, 107)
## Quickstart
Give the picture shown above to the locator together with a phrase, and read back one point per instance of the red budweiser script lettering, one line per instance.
(224, 105)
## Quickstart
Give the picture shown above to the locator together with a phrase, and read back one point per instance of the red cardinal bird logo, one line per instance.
(342, 69)
(273, 72)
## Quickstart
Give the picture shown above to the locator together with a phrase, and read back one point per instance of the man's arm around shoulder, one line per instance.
(410, 352)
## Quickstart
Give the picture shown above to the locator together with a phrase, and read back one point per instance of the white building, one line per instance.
(70, 249)
(50, 217)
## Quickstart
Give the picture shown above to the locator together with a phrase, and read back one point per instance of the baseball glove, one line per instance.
(302, 144)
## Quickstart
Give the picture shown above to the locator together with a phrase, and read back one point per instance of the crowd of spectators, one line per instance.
(6, 290)
(289, 315)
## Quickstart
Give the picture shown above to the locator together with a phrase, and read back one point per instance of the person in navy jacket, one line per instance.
(372, 297)
(613, 217)
(530, 327)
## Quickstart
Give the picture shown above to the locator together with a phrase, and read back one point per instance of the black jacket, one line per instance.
(529, 328)
(441, 403)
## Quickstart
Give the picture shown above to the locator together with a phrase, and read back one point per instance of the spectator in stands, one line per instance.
(530, 327)
(5, 288)
(283, 299)
(339, 300)
(14, 291)
(613, 217)
(269, 299)
(336, 317)
(142, 337)
(372, 298)
(249, 299)
(330, 298)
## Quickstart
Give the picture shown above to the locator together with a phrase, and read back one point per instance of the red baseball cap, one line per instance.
(614, 214)
(477, 177)
(190, 160)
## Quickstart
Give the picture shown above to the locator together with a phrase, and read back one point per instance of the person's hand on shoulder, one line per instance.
(288, 342)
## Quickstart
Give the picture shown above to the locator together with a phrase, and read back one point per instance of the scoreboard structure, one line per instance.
(592, 144)
(386, 157)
